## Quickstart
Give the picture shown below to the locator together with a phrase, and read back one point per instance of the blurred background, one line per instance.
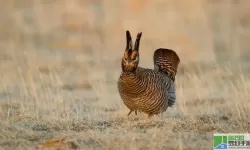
(199, 30)
(48, 47)
(74, 45)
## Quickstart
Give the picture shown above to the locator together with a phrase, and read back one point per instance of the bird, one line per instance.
(146, 90)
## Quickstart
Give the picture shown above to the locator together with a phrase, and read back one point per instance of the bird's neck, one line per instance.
(131, 76)
(133, 83)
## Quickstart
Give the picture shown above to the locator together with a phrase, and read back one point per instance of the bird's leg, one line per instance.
(149, 116)
(146, 121)
(130, 112)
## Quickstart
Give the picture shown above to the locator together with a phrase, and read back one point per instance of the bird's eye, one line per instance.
(125, 58)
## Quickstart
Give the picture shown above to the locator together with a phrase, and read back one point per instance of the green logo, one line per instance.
(220, 142)
(231, 141)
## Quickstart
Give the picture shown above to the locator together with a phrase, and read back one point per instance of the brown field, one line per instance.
(60, 60)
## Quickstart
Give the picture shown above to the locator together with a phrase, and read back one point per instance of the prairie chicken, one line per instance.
(150, 91)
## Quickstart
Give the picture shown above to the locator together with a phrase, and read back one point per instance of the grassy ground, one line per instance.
(58, 85)
(65, 98)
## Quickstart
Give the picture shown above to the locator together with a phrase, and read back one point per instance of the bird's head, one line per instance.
(130, 59)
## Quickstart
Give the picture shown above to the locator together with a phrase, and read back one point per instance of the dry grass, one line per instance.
(58, 75)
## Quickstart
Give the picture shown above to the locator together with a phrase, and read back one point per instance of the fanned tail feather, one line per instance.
(167, 61)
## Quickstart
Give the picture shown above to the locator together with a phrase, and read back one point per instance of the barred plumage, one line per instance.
(150, 91)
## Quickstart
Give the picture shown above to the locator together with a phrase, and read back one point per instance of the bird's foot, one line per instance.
(132, 111)
(146, 121)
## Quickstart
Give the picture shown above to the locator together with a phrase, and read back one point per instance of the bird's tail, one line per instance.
(167, 61)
